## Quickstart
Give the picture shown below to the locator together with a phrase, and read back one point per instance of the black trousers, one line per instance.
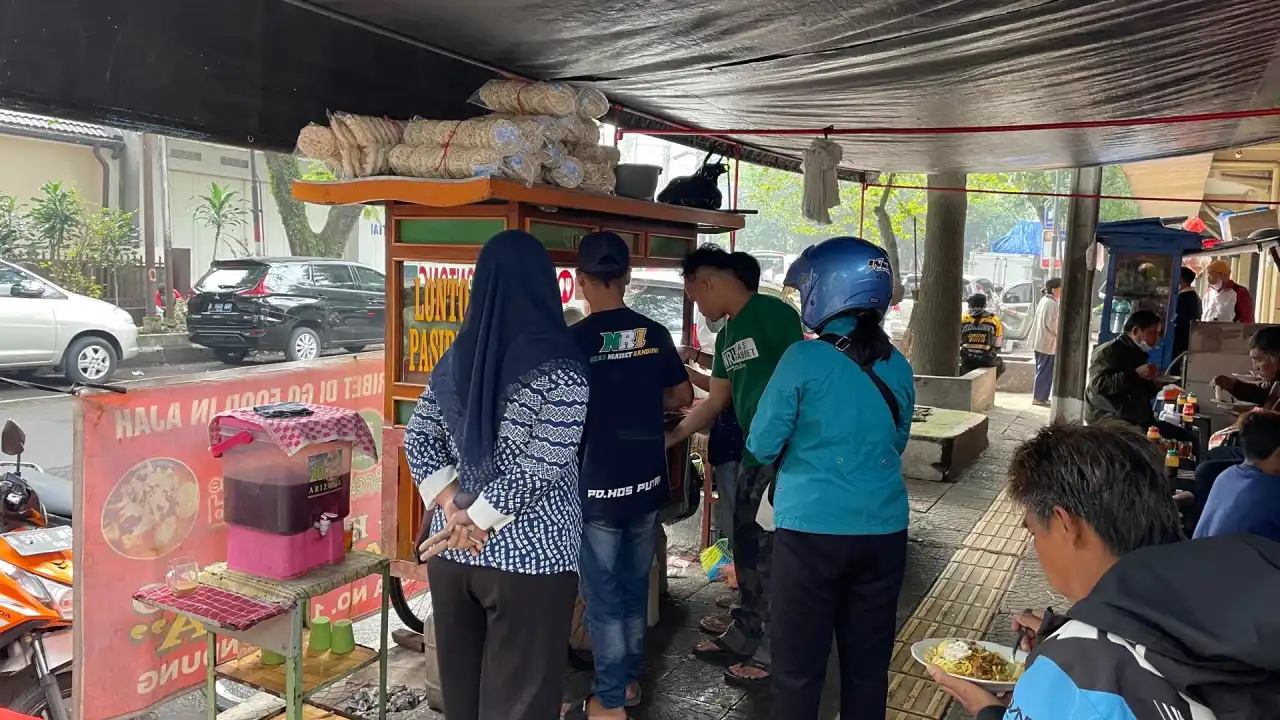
(842, 584)
(752, 559)
(503, 640)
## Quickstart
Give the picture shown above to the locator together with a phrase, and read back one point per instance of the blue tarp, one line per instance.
(1026, 238)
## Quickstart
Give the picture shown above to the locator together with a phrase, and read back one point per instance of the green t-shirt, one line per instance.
(749, 347)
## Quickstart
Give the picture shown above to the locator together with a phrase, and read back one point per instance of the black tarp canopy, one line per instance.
(256, 70)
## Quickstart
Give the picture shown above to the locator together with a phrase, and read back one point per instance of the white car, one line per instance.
(46, 327)
(659, 295)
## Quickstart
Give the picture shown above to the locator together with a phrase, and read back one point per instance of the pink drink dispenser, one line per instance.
(286, 473)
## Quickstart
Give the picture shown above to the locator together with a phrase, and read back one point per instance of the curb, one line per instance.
(169, 355)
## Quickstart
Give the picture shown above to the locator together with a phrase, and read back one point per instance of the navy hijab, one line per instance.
(514, 325)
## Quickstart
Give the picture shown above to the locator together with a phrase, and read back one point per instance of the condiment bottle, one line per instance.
(1171, 462)
(1153, 433)
(1188, 414)
(1182, 401)
(1194, 403)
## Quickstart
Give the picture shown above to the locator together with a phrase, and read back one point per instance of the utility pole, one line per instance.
(255, 201)
(915, 250)
(165, 213)
(149, 221)
(1072, 364)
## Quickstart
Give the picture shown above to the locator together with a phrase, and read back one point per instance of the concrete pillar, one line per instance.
(1072, 365)
(130, 173)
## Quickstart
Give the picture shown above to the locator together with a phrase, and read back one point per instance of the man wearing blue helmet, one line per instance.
(837, 412)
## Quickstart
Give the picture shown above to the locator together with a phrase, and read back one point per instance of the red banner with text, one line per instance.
(150, 493)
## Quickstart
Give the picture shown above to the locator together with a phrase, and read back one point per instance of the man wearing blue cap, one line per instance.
(635, 375)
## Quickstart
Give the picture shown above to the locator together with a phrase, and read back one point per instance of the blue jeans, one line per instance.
(617, 558)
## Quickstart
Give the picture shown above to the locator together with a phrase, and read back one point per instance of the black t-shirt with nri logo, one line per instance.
(624, 459)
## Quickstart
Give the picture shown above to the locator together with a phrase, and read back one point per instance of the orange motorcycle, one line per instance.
(35, 586)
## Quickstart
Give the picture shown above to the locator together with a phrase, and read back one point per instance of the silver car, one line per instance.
(46, 327)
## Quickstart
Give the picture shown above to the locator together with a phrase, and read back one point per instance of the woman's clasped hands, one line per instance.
(460, 531)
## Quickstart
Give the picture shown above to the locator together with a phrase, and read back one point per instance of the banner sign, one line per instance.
(149, 493)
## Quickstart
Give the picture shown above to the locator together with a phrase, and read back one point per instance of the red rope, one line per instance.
(1089, 196)
(975, 129)
(447, 143)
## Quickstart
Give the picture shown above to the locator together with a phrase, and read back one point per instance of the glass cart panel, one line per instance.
(1142, 282)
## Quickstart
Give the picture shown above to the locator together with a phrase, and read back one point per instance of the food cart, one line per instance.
(434, 232)
(1142, 274)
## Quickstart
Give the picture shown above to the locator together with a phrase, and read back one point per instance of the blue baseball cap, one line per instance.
(603, 252)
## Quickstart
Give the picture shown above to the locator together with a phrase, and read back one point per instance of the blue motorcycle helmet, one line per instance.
(837, 276)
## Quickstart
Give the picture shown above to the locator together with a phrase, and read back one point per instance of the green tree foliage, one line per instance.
(15, 228)
(222, 210)
(66, 240)
(111, 243)
(57, 217)
(330, 240)
(780, 226)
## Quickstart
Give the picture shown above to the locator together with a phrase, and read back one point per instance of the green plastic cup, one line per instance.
(321, 635)
(344, 638)
(271, 658)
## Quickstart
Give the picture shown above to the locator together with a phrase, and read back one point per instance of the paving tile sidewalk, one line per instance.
(968, 570)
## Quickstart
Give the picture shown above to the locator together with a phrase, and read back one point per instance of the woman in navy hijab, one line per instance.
(494, 445)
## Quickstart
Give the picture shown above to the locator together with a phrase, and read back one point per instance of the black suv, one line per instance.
(296, 305)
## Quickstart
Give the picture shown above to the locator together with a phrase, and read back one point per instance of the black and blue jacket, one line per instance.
(1187, 631)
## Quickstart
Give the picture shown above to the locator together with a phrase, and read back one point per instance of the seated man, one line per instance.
(1158, 628)
(981, 337)
(1264, 351)
(1246, 497)
(1122, 378)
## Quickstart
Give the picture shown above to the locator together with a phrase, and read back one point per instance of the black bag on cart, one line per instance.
(700, 190)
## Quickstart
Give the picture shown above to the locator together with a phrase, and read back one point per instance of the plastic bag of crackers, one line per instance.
(352, 146)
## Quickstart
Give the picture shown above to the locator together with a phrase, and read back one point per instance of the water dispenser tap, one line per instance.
(326, 519)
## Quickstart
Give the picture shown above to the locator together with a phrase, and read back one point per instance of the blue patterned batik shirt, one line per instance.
(531, 507)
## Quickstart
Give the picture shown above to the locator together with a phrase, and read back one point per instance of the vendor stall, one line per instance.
(435, 230)
(1142, 274)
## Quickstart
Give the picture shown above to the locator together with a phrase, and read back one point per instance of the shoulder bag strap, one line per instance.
(841, 343)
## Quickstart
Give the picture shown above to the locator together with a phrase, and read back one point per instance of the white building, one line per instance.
(105, 165)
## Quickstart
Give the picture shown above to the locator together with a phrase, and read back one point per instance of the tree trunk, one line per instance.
(934, 334)
(890, 239)
(303, 241)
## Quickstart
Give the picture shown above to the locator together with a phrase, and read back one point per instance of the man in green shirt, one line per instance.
(759, 329)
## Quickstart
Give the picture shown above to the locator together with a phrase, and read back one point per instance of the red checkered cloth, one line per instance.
(223, 607)
(291, 434)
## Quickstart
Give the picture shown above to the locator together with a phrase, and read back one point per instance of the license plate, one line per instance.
(221, 307)
(38, 542)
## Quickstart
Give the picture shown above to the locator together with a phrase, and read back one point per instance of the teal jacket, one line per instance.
(841, 473)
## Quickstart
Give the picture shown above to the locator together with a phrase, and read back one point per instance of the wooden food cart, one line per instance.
(434, 232)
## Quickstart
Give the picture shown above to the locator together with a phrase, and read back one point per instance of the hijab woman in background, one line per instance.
(837, 411)
(493, 445)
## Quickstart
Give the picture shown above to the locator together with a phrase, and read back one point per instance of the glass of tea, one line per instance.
(183, 577)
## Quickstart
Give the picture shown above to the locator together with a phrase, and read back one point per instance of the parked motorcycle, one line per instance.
(36, 572)
(35, 589)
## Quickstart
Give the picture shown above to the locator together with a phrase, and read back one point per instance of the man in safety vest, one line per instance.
(981, 337)
(1226, 301)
